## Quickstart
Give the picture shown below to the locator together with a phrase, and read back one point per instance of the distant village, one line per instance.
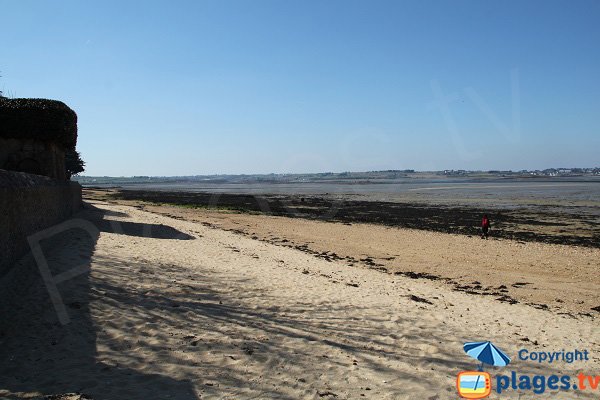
(546, 172)
(347, 177)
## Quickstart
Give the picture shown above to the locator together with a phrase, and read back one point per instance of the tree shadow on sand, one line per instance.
(39, 355)
(249, 327)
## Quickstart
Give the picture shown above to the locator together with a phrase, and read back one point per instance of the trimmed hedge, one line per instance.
(42, 119)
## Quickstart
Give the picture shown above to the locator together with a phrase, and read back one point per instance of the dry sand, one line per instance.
(166, 308)
(561, 278)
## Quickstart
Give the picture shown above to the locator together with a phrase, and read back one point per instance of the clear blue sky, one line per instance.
(194, 87)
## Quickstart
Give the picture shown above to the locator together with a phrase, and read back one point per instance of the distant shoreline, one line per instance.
(372, 177)
(541, 224)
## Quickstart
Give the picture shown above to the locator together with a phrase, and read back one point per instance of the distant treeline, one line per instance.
(357, 177)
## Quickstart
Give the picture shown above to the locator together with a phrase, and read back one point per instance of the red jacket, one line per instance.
(485, 223)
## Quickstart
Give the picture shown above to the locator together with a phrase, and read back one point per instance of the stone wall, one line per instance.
(33, 156)
(35, 134)
(28, 204)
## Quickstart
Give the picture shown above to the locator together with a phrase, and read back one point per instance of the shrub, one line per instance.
(42, 119)
(73, 163)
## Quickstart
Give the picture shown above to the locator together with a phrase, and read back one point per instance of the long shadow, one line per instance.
(112, 225)
(142, 230)
(42, 355)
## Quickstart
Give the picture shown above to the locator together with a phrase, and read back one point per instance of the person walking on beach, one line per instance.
(485, 226)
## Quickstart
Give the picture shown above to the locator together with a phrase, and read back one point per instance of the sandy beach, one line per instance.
(167, 307)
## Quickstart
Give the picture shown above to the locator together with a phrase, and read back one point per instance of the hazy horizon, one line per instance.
(218, 87)
(85, 175)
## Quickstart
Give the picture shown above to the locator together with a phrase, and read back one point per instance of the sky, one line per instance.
(227, 87)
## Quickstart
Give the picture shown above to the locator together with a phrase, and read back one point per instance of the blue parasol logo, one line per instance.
(477, 385)
(487, 353)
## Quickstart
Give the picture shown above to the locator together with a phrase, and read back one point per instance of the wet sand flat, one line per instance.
(524, 219)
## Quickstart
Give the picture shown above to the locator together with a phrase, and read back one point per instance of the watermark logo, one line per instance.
(52, 281)
(473, 384)
(478, 384)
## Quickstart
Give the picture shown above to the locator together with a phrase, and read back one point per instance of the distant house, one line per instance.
(34, 136)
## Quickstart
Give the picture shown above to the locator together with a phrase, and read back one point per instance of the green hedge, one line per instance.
(42, 119)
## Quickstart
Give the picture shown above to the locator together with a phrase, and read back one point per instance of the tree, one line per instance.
(73, 163)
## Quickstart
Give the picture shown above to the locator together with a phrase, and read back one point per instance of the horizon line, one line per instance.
(407, 171)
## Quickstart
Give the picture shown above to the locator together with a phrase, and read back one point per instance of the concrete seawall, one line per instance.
(28, 204)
